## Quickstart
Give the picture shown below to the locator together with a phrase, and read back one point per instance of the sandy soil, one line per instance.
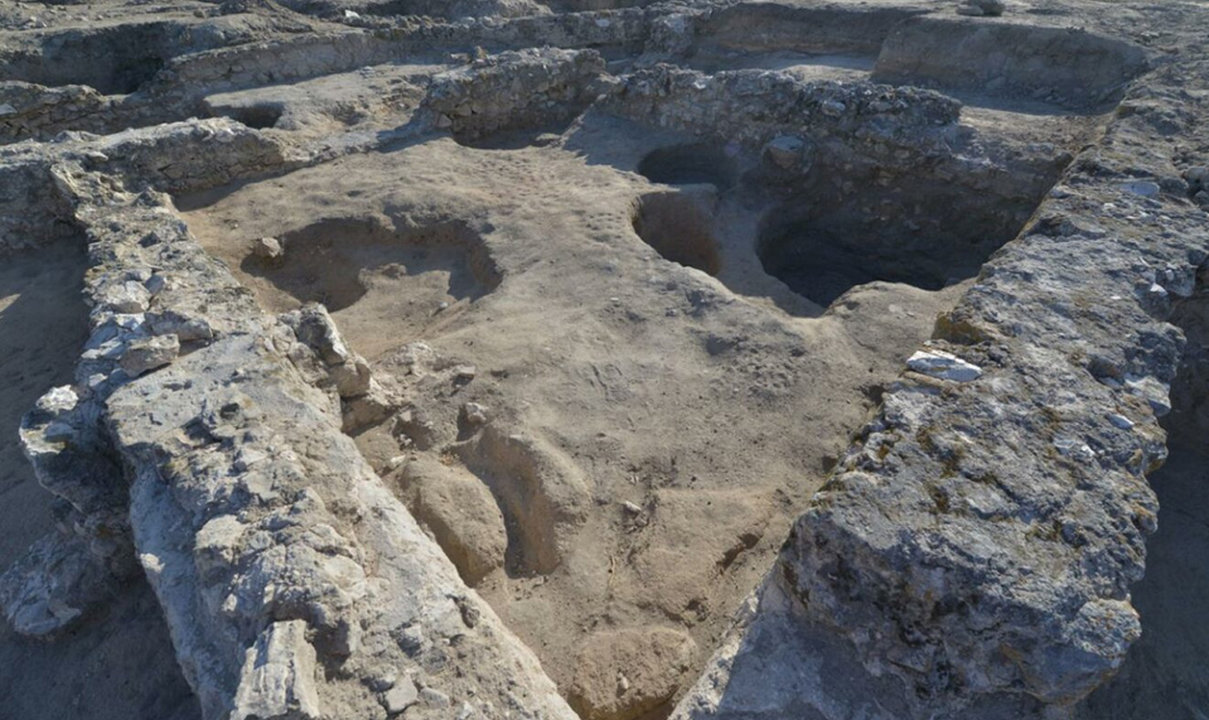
(717, 424)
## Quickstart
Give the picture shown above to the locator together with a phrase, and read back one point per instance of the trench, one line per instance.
(121, 663)
(115, 60)
(43, 326)
(1164, 674)
(978, 62)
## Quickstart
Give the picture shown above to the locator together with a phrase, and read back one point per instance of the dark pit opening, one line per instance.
(515, 138)
(678, 226)
(924, 233)
(1164, 672)
(690, 164)
(132, 74)
(115, 60)
(257, 117)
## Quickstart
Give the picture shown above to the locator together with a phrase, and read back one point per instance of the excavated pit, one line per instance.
(257, 117)
(536, 451)
(930, 236)
(678, 226)
(116, 60)
(406, 280)
(691, 164)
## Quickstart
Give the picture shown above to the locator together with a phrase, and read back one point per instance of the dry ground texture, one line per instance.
(626, 304)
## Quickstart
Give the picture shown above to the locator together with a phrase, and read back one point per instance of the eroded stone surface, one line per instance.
(585, 328)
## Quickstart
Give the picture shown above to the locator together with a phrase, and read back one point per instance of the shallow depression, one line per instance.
(385, 286)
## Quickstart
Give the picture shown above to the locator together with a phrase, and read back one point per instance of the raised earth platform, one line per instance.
(604, 360)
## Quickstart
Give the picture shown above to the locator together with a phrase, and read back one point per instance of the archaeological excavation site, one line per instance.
(604, 360)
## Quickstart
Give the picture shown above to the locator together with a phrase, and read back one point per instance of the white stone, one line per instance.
(944, 366)
(278, 676)
(150, 353)
(400, 697)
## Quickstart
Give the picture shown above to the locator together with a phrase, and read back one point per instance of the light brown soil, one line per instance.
(715, 426)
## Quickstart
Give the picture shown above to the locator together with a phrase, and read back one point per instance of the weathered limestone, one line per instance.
(278, 675)
(973, 550)
(514, 90)
(972, 554)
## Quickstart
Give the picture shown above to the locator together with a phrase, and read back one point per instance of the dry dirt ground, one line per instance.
(689, 449)
(614, 400)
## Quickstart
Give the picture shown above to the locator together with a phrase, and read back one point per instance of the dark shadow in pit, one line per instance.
(116, 60)
(1166, 673)
(516, 138)
(691, 164)
(258, 117)
(326, 262)
(923, 233)
(679, 227)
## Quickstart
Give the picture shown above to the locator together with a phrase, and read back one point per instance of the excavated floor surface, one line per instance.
(716, 431)
(630, 305)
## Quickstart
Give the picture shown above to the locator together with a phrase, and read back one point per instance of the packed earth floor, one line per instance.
(606, 360)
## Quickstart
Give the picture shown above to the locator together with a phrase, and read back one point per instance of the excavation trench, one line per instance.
(564, 502)
(115, 60)
(906, 46)
(1163, 674)
(43, 326)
